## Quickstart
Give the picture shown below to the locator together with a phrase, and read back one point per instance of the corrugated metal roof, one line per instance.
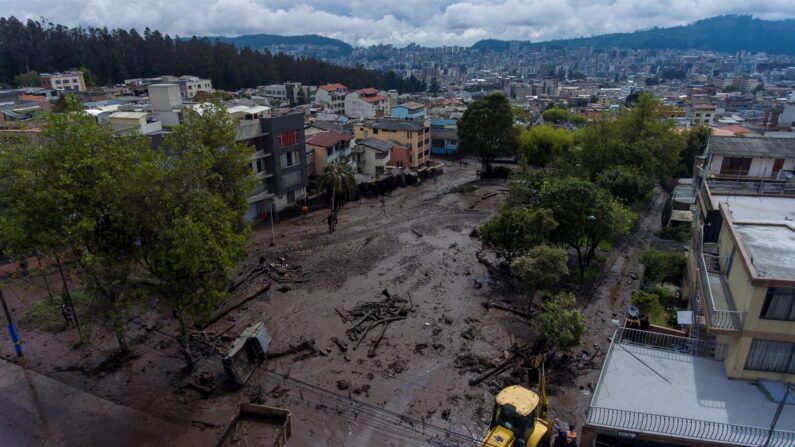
(375, 143)
(327, 139)
(752, 147)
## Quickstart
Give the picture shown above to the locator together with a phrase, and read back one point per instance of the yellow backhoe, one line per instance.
(520, 416)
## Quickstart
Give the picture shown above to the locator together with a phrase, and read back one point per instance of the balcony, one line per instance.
(716, 298)
(264, 174)
(693, 400)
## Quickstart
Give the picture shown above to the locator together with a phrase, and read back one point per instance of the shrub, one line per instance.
(511, 232)
(543, 266)
(663, 265)
(627, 184)
(560, 323)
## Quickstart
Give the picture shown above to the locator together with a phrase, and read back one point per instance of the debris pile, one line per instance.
(368, 315)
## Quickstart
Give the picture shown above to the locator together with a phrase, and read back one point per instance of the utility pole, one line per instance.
(11, 329)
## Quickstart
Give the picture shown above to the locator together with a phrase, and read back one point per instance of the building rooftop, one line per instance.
(398, 124)
(751, 147)
(692, 398)
(327, 139)
(771, 248)
(375, 143)
(411, 105)
(332, 87)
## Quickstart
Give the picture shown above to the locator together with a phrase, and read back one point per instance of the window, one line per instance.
(289, 159)
(735, 166)
(772, 356)
(375, 131)
(779, 304)
(288, 138)
(291, 179)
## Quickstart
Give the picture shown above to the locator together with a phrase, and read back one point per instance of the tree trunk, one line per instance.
(581, 264)
(44, 277)
(118, 331)
(67, 297)
(184, 338)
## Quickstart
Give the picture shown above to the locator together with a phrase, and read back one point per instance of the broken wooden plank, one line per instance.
(340, 344)
(504, 365)
(230, 305)
(416, 232)
(508, 309)
(360, 321)
(374, 346)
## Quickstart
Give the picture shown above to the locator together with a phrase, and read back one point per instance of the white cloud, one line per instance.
(365, 22)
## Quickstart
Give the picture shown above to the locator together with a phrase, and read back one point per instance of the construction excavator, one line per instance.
(520, 416)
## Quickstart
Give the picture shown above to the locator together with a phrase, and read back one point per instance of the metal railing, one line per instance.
(724, 319)
(688, 428)
(672, 343)
(755, 187)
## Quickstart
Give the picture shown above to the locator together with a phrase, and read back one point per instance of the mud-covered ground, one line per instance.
(413, 389)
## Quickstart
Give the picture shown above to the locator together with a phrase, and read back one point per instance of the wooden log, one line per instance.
(308, 345)
(339, 312)
(416, 232)
(504, 365)
(374, 346)
(231, 305)
(340, 344)
(360, 321)
(508, 309)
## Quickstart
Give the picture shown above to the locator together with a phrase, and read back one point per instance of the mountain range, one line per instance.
(728, 33)
(306, 45)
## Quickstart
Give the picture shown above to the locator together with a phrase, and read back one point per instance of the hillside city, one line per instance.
(521, 245)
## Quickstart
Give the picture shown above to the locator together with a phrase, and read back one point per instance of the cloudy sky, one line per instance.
(366, 22)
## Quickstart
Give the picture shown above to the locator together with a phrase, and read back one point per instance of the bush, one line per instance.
(627, 184)
(649, 304)
(560, 323)
(497, 172)
(663, 266)
(681, 233)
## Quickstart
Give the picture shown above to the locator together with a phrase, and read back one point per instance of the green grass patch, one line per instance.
(590, 274)
(46, 315)
(605, 245)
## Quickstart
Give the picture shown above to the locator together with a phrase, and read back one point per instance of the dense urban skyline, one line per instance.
(361, 23)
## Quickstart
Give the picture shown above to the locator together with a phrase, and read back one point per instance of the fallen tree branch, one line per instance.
(508, 309)
(374, 346)
(504, 365)
(340, 344)
(231, 305)
(416, 232)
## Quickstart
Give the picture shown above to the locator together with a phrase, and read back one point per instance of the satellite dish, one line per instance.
(633, 311)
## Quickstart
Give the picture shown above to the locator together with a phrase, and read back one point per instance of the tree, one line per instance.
(434, 87)
(520, 114)
(88, 77)
(84, 192)
(541, 144)
(663, 265)
(301, 97)
(560, 324)
(194, 241)
(555, 115)
(511, 232)
(625, 183)
(586, 214)
(486, 130)
(523, 186)
(29, 79)
(339, 184)
(696, 143)
(542, 266)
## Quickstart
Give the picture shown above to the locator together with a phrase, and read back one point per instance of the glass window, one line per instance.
(772, 356)
(779, 304)
(735, 166)
(289, 159)
(291, 179)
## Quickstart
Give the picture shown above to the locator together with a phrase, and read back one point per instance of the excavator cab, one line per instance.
(519, 418)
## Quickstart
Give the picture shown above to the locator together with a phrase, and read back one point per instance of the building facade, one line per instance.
(366, 103)
(332, 98)
(415, 136)
(68, 80)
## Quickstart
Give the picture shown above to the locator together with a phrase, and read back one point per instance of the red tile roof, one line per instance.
(735, 129)
(327, 139)
(333, 87)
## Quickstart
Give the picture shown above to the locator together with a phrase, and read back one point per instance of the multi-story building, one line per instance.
(332, 98)
(744, 157)
(327, 148)
(703, 114)
(366, 103)
(189, 86)
(415, 136)
(412, 111)
(373, 156)
(289, 93)
(444, 136)
(726, 385)
(68, 80)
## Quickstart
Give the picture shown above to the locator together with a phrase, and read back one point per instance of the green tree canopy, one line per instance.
(555, 115)
(542, 266)
(586, 214)
(540, 145)
(29, 79)
(560, 324)
(513, 231)
(486, 130)
(625, 183)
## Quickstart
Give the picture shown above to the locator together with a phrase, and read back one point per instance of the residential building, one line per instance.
(327, 148)
(703, 114)
(366, 103)
(415, 136)
(412, 111)
(289, 93)
(141, 122)
(744, 157)
(283, 168)
(165, 100)
(723, 386)
(444, 136)
(332, 98)
(189, 86)
(373, 156)
(68, 80)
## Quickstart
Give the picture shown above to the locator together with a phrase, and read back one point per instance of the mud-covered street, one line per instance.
(406, 384)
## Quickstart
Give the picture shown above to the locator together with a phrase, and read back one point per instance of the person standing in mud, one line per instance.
(68, 317)
(330, 220)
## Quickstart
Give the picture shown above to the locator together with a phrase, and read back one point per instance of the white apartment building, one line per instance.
(332, 98)
(189, 86)
(68, 80)
(367, 103)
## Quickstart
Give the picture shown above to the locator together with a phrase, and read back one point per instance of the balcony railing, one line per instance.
(753, 187)
(722, 319)
(688, 428)
(673, 343)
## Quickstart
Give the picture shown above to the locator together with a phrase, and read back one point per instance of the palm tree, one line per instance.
(339, 183)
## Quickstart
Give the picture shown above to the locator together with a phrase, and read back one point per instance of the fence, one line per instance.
(673, 343)
(724, 319)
